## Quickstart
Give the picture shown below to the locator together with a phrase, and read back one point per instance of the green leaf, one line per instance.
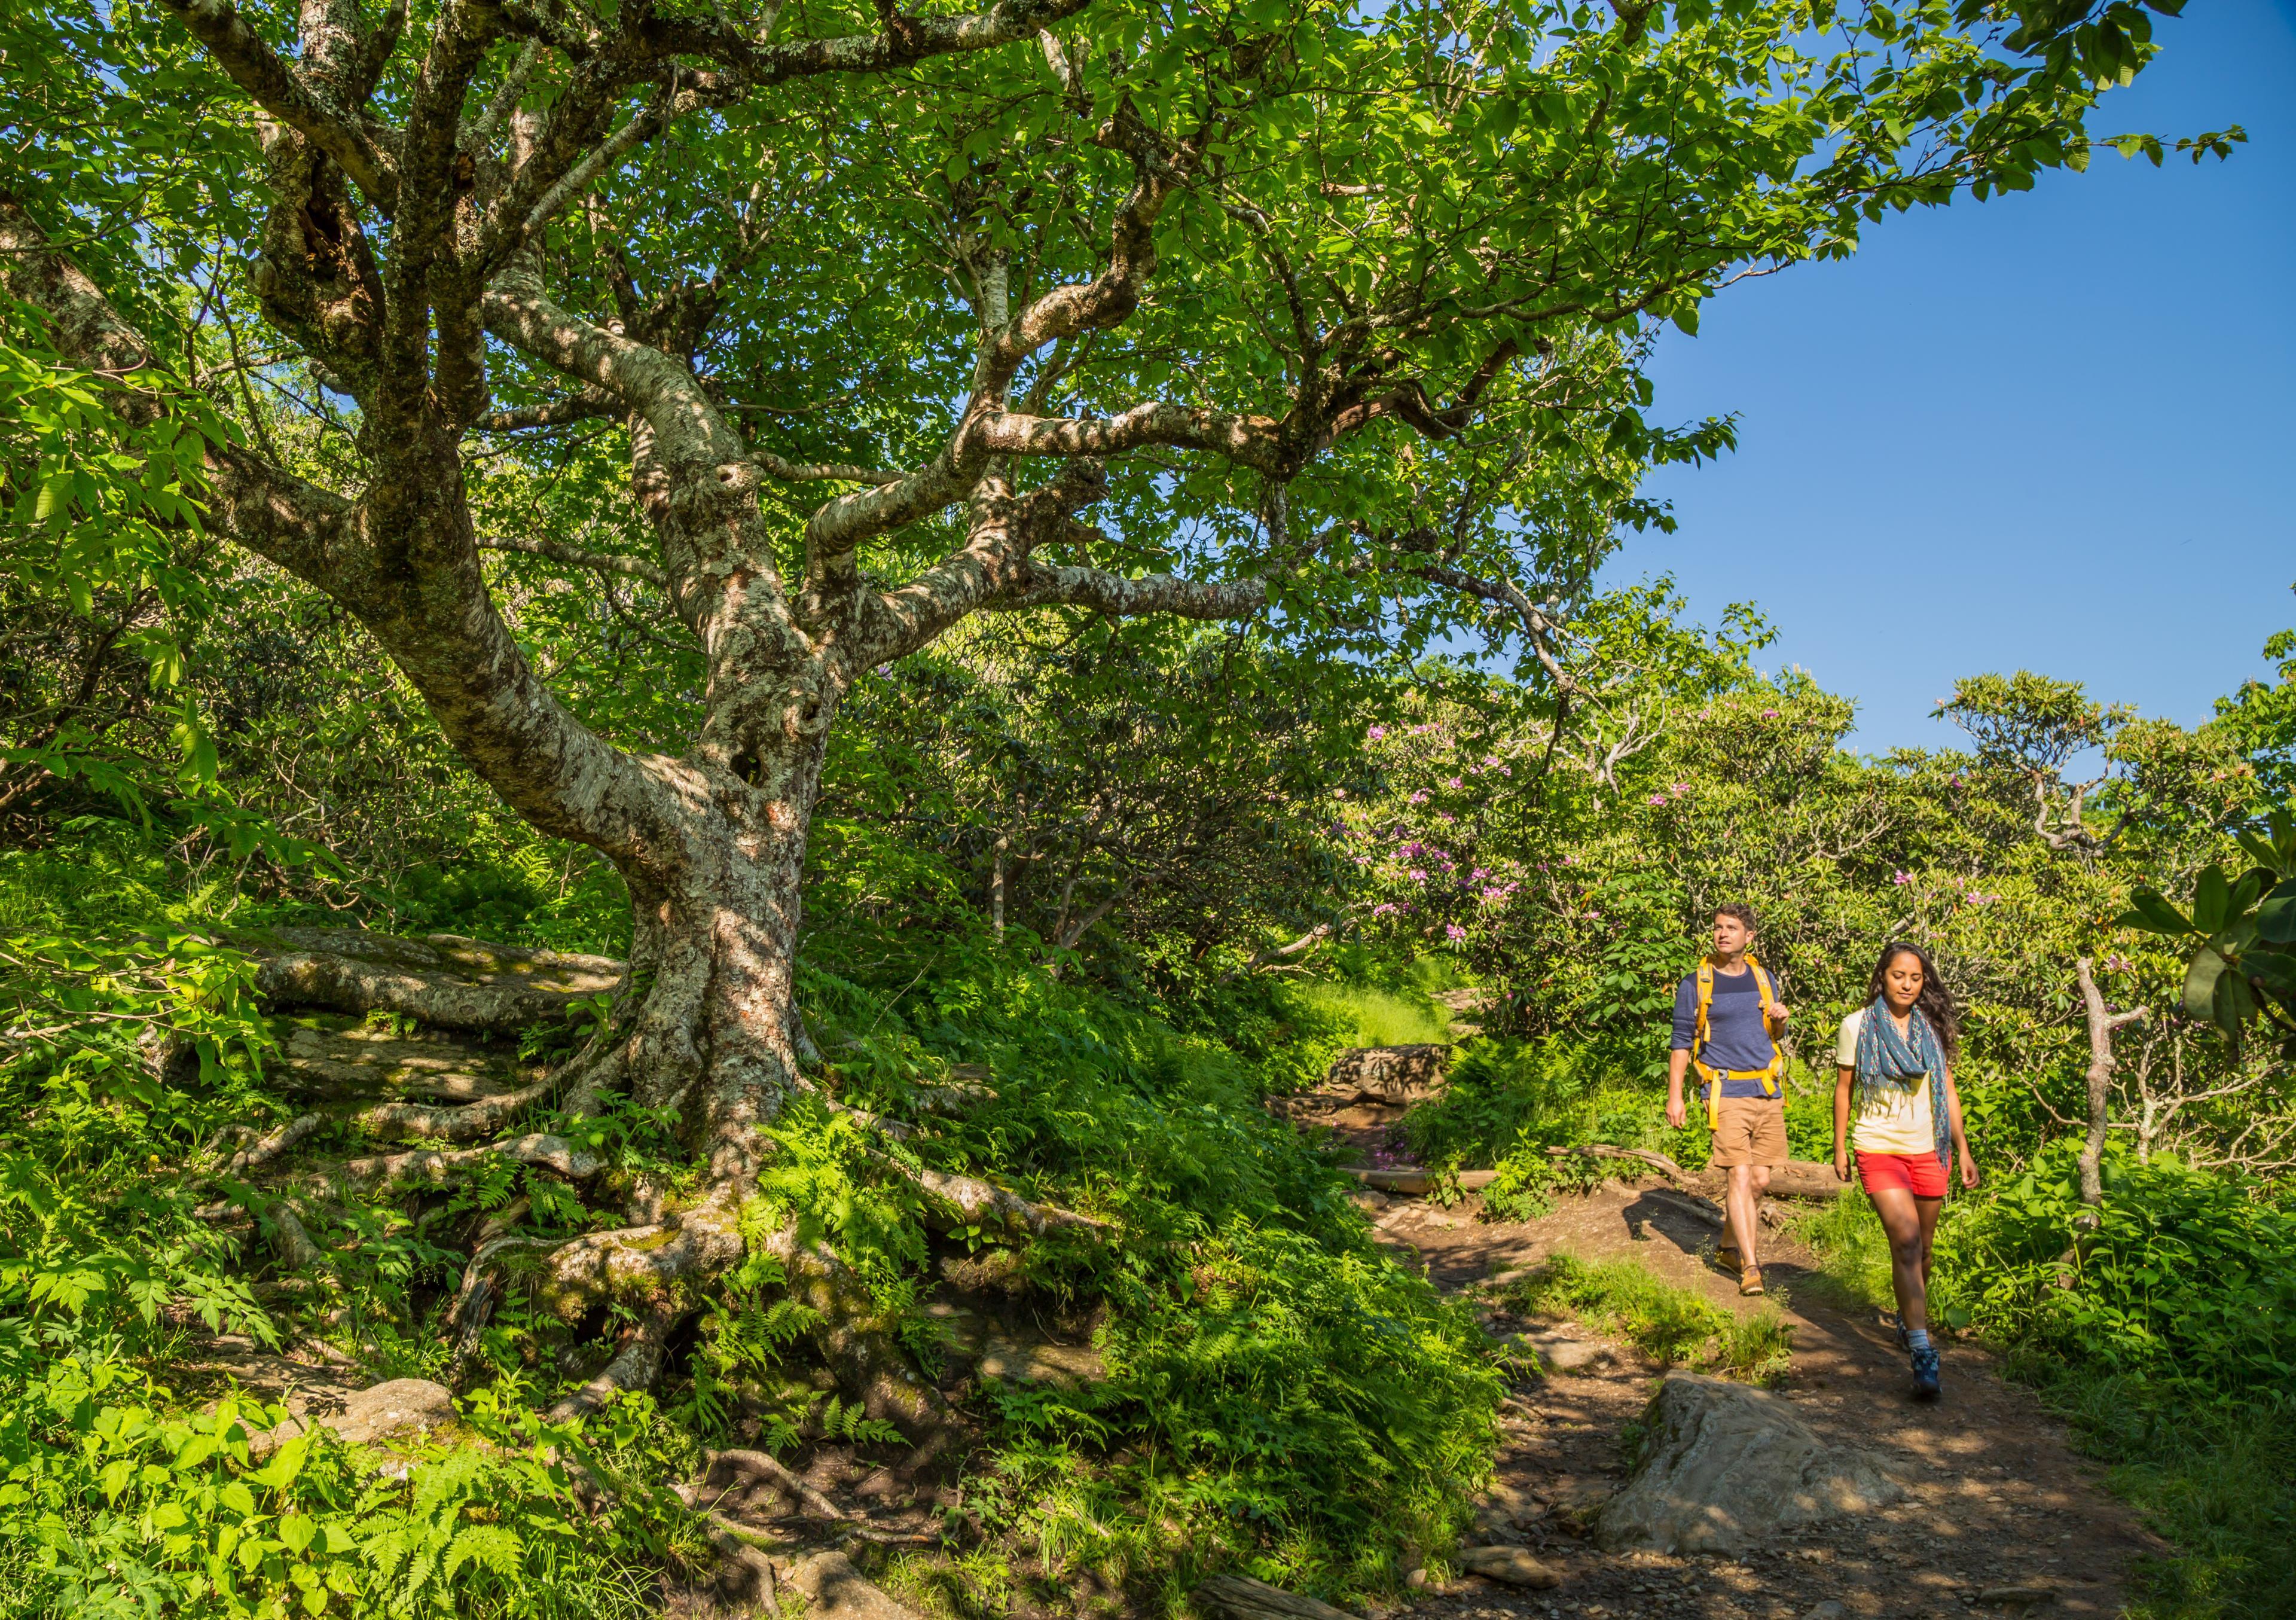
(2234, 1005)
(2149, 911)
(2200, 982)
(2275, 918)
(2212, 900)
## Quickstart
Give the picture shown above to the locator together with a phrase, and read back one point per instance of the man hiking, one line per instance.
(1727, 1019)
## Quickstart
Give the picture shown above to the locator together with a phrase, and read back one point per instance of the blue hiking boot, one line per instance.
(1926, 1386)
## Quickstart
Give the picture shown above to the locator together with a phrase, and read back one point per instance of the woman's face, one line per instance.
(1901, 981)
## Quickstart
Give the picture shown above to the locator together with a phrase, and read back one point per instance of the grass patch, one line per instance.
(1365, 1014)
(1853, 1253)
(1673, 1326)
(2219, 1481)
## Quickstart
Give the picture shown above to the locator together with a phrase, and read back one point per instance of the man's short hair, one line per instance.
(1740, 910)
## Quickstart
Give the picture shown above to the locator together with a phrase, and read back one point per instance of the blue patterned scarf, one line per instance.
(1887, 1058)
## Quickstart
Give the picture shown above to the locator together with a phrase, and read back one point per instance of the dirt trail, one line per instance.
(1997, 1499)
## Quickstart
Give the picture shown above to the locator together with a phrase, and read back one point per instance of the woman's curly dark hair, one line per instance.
(1935, 1001)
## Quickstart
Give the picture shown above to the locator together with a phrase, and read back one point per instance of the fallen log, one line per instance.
(1241, 1598)
(1804, 1178)
(1417, 1183)
(1794, 1179)
(1675, 1174)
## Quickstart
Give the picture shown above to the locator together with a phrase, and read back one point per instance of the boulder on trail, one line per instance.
(1395, 1075)
(1511, 1564)
(1725, 1465)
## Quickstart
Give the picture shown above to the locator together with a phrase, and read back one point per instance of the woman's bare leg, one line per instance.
(1927, 1208)
(1901, 1219)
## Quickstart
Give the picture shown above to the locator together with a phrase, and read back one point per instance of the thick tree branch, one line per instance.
(584, 405)
(2102, 1024)
(907, 39)
(1249, 440)
(276, 86)
(574, 556)
(1122, 595)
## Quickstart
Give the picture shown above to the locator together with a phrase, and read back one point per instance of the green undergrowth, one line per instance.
(1674, 1325)
(1367, 1014)
(1280, 1397)
(2165, 1337)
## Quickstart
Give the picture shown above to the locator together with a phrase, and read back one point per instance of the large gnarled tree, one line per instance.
(1328, 313)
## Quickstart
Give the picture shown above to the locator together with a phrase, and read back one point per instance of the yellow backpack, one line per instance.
(1714, 1077)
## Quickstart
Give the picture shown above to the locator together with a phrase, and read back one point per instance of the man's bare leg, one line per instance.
(1741, 1206)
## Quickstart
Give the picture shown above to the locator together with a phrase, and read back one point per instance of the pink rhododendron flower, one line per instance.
(1453, 930)
(1376, 733)
(1658, 799)
(1453, 783)
(1901, 878)
(1419, 797)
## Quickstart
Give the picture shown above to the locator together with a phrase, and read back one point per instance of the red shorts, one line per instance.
(1921, 1174)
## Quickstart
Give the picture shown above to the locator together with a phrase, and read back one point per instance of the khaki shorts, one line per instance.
(1750, 1130)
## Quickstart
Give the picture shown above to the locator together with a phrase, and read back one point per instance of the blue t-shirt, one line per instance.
(1735, 1038)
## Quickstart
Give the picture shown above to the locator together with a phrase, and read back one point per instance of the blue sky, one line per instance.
(2052, 431)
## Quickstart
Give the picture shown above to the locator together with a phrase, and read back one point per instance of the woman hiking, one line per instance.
(1895, 1062)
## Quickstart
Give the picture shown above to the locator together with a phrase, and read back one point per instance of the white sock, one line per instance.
(1918, 1338)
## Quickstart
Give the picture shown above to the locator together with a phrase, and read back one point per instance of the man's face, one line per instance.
(1731, 936)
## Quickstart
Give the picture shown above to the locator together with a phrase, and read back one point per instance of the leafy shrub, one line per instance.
(116, 1507)
(2186, 1280)
(1320, 1417)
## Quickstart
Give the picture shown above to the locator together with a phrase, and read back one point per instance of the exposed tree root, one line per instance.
(762, 1465)
(893, 1129)
(444, 980)
(731, 1540)
(1675, 1174)
(955, 1100)
(636, 1366)
(288, 1240)
(428, 1167)
(460, 1122)
(859, 1344)
(255, 1151)
(981, 1203)
(654, 1264)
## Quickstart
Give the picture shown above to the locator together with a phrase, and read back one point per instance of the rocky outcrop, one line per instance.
(1397, 1076)
(1512, 1566)
(1725, 1465)
(399, 1407)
